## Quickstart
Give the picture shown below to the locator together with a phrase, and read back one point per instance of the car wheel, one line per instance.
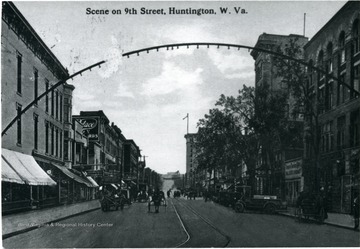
(270, 208)
(239, 208)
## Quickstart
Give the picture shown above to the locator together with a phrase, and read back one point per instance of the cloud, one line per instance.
(113, 59)
(123, 91)
(172, 78)
(231, 63)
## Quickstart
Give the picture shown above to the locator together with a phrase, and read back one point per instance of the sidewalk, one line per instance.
(18, 223)
(335, 219)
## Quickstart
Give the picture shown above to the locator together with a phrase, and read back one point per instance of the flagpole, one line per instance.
(187, 123)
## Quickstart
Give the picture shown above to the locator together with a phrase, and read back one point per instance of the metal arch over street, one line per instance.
(238, 46)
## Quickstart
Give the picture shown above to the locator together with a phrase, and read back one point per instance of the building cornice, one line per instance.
(17, 22)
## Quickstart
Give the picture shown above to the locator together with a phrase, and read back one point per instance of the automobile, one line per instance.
(228, 198)
(267, 203)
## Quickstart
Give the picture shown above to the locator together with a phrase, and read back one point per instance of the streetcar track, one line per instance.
(203, 219)
(183, 226)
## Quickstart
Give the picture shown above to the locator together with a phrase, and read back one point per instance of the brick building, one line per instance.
(34, 172)
(105, 158)
(335, 48)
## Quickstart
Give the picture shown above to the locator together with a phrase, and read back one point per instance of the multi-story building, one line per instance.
(34, 173)
(104, 158)
(270, 173)
(335, 48)
(191, 163)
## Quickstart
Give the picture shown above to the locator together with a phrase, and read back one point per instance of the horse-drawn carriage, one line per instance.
(111, 196)
(311, 206)
(157, 199)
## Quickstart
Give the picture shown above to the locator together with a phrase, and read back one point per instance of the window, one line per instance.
(46, 137)
(36, 120)
(66, 116)
(310, 74)
(36, 76)
(61, 107)
(327, 137)
(356, 38)
(329, 96)
(52, 139)
(19, 62)
(341, 132)
(61, 144)
(355, 80)
(329, 64)
(46, 96)
(52, 103)
(341, 91)
(321, 63)
(57, 143)
(342, 47)
(355, 128)
(57, 105)
(18, 112)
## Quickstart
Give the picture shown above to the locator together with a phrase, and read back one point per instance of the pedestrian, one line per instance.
(356, 210)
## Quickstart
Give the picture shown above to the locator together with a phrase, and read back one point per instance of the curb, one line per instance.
(8, 235)
(325, 222)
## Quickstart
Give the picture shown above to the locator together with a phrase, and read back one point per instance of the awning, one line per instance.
(72, 175)
(26, 168)
(114, 186)
(95, 185)
(8, 174)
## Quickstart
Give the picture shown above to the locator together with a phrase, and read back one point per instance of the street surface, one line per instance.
(183, 223)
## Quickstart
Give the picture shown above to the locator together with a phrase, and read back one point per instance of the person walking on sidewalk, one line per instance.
(356, 210)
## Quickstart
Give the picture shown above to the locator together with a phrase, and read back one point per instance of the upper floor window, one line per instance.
(342, 47)
(46, 96)
(36, 77)
(329, 64)
(19, 126)
(355, 128)
(356, 38)
(19, 74)
(341, 132)
(320, 62)
(52, 103)
(36, 121)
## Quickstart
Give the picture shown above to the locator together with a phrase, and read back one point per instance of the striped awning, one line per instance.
(25, 167)
(93, 182)
(8, 174)
(73, 176)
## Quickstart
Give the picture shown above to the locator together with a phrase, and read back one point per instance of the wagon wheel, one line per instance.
(239, 208)
(270, 208)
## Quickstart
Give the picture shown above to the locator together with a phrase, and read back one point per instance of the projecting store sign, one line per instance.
(90, 127)
(293, 169)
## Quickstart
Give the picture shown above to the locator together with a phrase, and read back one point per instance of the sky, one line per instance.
(147, 96)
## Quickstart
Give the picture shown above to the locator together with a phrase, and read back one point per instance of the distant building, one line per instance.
(335, 48)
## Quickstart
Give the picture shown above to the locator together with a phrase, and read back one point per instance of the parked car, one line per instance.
(267, 203)
(228, 198)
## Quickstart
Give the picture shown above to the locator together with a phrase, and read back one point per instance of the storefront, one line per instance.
(24, 182)
(293, 180)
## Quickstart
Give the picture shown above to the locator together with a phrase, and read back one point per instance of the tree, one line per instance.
(225, 138)
(295, 76)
